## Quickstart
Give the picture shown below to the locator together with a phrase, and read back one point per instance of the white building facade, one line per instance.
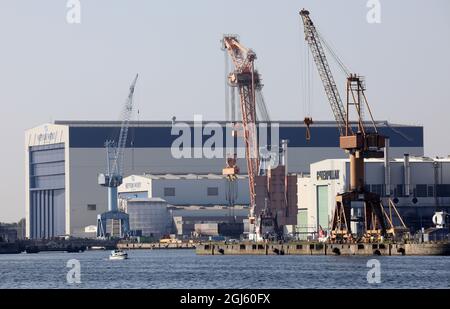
(418, 186)
(185, 190)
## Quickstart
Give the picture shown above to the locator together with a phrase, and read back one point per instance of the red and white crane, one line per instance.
(247, 80)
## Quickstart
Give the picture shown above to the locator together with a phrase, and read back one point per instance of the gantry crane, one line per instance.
(114, 170)
(357, 138)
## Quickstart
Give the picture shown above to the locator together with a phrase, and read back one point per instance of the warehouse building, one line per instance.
(419, 186)
(149, 217)
(225, 229)
(185, 218)
(189, 189)
(63, 159)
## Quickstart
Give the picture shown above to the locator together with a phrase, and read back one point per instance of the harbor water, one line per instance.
(184, 269)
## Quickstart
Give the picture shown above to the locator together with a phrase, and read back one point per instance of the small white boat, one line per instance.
(97, 248)
(118, 255)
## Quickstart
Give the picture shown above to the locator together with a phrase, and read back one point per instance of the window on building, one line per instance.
(378, 189)
(213, 191)
(430, 191)
(421, 190)
(443, 190)
(169, 191)
(91, 207)
(399, 191)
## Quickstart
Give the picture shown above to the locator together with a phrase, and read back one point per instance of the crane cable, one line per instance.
(305, 75)
(345, 70)
(333, 54)
(311, 82)
(307, 81)
(227, 88)
(307, 87)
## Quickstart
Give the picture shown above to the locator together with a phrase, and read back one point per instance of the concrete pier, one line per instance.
(68, 245)
(298, 248)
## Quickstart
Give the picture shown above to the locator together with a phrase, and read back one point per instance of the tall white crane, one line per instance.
(114, 168)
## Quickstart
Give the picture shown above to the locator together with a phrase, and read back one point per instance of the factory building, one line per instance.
(418, 186)
(149, 217)
(190, 189)
(63, 160)
(226, 229)
(186, 218)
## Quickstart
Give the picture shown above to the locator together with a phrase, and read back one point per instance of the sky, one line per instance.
(54, 70)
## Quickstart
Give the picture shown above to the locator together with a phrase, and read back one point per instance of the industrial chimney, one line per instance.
(387, 169)
(284, 154)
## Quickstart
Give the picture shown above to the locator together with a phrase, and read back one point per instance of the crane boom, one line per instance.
(247, 80)
(312, 37)
(117, 161)
(115, 151)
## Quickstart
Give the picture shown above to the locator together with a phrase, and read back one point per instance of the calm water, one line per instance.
(183, 269)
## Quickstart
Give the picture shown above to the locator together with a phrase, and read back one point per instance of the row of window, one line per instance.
(47, 147)
(210, 191)
(168, 191)
(420, 190)
(47, 182)
(43, 156)
(46, 169)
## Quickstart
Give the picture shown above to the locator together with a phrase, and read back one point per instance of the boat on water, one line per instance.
(97, 248)
(118, 255)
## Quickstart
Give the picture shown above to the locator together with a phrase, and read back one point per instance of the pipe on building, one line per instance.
(387, 169)
(436, 182)
(284, 154)
(407, 175)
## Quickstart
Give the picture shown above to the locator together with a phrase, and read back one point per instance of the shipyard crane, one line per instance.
(114, 170)
(247, 79)
(356, 138)
(248, 82)
(267, 213)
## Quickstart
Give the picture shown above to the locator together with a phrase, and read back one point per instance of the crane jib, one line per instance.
(312, 37)
(116, 160)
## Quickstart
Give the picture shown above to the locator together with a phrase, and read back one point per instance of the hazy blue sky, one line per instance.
(51, 70)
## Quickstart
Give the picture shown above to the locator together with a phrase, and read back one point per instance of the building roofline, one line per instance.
(185, 176)
(412, 159)
(159, 123)
(147, 199)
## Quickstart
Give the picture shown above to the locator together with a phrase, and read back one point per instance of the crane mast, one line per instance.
(248, 81)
